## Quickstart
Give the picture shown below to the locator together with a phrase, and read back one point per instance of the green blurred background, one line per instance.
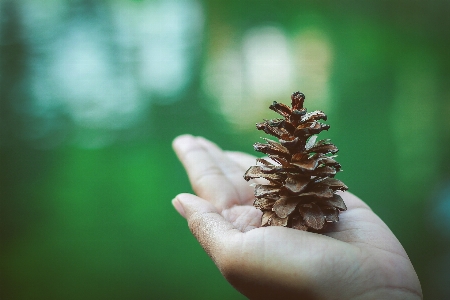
(93, 92)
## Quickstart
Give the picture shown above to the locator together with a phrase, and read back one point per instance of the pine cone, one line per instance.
(301, 189)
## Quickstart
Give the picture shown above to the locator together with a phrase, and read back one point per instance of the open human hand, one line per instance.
(356, 258)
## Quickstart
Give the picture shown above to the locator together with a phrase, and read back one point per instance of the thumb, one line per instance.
(206, 224)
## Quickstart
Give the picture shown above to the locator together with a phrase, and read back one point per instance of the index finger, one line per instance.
(212, 174)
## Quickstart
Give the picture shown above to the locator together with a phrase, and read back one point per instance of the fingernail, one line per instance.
(178, 207)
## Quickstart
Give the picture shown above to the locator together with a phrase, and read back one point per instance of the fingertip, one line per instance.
(190, 204)
(181, 139)
(179, 207)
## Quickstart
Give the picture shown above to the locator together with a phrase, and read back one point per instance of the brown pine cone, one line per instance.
(301, 188)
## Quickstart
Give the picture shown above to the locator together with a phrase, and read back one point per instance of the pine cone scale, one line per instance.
(262, 190)
(296, 184)
(284, 207)
(312, 215)
(264, 203)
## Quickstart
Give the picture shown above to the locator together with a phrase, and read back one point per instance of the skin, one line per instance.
(356, 258)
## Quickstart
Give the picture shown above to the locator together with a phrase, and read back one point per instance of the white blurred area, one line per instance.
(247, 74)
(100, 65)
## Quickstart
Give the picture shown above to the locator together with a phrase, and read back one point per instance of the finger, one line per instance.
(211, 175)
(205, 176)
(211, 230)
(244, 160)
(231, 169)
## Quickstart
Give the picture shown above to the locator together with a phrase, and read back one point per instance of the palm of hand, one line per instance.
(356, 258)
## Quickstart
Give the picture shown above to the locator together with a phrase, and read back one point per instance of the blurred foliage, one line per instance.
(95, 222)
